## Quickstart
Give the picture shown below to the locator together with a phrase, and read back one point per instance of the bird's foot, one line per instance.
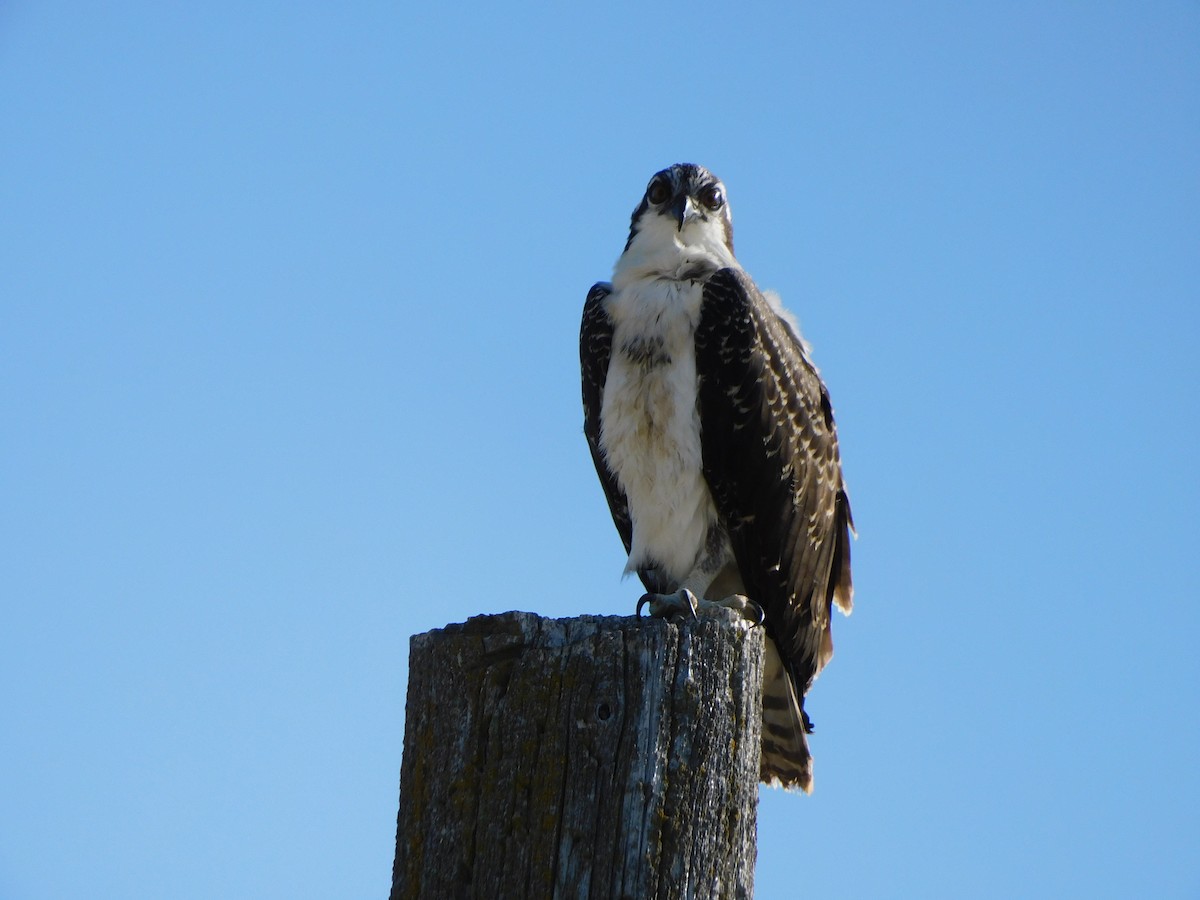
(683, 604)
(743, 606)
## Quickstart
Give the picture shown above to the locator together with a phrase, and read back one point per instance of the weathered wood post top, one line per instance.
(588, 757)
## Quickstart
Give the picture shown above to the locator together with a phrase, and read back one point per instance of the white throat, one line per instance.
(661, 250)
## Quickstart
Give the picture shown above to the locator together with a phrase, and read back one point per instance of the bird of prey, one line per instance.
(713, 437)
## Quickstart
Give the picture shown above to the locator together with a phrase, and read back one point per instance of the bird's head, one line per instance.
(682, 223)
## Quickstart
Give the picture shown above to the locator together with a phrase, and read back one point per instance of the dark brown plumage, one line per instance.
(776, 520)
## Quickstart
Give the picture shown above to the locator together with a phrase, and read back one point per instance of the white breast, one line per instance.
(650, 424)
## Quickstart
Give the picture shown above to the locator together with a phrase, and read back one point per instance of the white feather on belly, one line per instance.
(650, 424)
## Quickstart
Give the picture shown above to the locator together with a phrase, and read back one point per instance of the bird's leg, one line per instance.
(684, 604)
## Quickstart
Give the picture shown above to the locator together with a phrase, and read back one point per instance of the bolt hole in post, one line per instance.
(603, 712)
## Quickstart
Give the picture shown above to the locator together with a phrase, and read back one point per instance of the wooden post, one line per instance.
(590, 757)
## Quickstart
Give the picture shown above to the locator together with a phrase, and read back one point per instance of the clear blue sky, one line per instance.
(289, 299)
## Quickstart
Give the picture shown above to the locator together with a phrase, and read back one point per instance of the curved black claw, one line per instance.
(646, 598)
(762, 615)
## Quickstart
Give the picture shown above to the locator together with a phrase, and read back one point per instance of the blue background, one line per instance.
(289, 300)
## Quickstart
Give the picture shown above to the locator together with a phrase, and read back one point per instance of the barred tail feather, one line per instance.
(786, 761)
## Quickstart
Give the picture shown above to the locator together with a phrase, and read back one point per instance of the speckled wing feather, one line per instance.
(595, 349)
(771, 460)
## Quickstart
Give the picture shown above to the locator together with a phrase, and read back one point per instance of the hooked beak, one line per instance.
(682, 209)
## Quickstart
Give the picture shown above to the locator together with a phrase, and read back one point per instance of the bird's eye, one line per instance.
(713, 197)
(658, 191)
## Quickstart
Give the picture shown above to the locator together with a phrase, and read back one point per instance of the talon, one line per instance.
(642, 602)
(762, 616)
(692, 602)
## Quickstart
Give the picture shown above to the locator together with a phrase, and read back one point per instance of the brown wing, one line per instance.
(771, 460)
(595, 349)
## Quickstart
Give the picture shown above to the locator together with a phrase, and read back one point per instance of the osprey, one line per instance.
(713, 437)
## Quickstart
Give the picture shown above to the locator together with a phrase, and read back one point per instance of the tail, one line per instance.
(786, 761)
